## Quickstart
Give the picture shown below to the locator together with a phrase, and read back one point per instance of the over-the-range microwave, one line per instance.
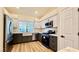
(49, 24)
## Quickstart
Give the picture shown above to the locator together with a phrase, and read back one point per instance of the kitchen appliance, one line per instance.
(45, 39)
(49, 24)
(46, 36)
(8, 29)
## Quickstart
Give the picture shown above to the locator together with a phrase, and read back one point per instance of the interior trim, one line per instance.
(4, 23)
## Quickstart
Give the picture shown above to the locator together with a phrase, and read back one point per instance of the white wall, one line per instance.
(1, 29)
(51, 13)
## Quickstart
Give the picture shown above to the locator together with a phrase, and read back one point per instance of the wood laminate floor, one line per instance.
(30, 47)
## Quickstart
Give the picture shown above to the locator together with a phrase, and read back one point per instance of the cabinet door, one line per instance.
(54, 19)
(40, 24)
(43, 23)
(53, 43)
(69, 27)
(37, 25)
(29, 39)
(17, 38)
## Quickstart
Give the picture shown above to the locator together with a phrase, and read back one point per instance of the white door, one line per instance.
(61, 32)
(69, 27)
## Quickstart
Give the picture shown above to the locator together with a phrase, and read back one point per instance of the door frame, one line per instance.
(4, 33)
(78, 26)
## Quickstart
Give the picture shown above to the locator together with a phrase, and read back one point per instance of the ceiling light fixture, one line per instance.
(36, 12)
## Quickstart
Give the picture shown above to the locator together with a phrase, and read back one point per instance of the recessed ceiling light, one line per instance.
(36, 12)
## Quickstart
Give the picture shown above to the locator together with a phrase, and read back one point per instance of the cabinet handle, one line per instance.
(62, 36)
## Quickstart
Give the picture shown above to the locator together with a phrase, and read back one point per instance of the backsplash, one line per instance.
(47, 29)
(37, 30)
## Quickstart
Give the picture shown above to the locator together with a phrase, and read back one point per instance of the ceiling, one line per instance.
(30, 11)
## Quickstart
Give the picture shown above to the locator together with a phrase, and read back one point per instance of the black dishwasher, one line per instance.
(53, 43)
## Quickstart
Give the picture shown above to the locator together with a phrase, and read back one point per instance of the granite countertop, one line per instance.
(53, 34)
(16, 32)
(69, 49)
(27, 32)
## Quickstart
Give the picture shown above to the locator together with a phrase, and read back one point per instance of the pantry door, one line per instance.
(69, 27)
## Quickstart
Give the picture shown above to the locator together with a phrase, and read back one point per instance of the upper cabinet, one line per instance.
(37, 24)
(42, 23)
(54, 18)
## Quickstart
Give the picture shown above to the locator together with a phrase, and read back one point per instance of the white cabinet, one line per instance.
(54, 18)
(68, 28)
(42, 23)
(36, 24)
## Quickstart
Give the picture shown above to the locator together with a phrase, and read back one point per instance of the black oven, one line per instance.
(45, 39)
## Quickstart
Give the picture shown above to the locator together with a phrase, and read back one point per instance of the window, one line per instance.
(26, 26)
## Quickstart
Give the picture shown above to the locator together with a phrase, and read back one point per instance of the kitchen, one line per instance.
(42, 29)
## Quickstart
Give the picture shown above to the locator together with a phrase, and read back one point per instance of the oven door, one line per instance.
(45, 40)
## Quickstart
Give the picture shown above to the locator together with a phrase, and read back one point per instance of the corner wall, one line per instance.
(1, 29)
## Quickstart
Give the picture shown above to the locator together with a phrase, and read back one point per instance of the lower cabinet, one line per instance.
(27, 38)
(18, 38)
(53, 43)
(38, 37)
